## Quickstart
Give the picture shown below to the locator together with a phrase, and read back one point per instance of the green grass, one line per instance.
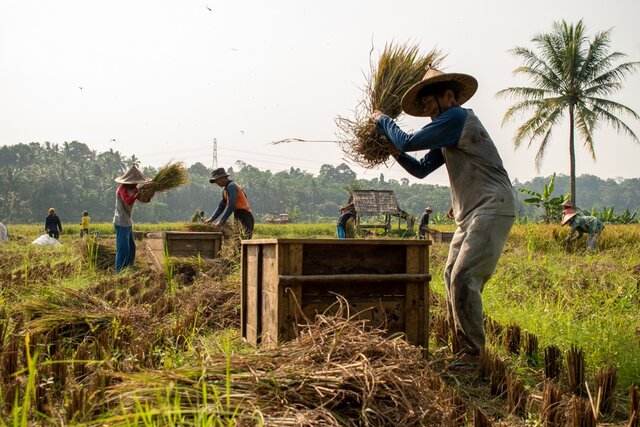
(568, 296)
(24, 232)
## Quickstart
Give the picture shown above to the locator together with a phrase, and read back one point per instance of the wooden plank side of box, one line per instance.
(385, 313)
(156, 253)
(251, 295)
(187, 247)
(270, 307)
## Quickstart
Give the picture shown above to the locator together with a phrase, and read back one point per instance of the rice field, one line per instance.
(82, 346)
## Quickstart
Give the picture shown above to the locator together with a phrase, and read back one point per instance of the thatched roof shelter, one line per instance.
(375, 202)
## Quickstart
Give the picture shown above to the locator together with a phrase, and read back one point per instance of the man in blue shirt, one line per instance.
(481, 193)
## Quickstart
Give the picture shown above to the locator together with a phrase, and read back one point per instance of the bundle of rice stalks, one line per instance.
(217, 304)
(400, 66)
(72, 314)
(337, 373)
(198, 226)
(169, 176)
(98, 254)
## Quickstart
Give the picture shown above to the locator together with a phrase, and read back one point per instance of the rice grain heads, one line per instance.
(399, 67)
(169, 176)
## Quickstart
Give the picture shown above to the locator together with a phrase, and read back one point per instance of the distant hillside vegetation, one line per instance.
(71, 177)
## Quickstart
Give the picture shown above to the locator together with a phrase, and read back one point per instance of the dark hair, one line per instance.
(438, 89)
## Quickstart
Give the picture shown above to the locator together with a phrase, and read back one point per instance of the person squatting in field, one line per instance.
(482, 197)
(52, 224)
(126, 195)
(234, 200)
(582, 224)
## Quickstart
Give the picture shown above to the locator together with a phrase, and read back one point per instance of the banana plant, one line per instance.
(551, 205)
(627, 217)
(606, 215)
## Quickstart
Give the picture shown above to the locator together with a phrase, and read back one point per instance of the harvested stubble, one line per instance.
(480, 419)
(169, 176)
(399, 67)
(517, 395)
(337, 372)
(552, 362)
(580, 413)
(551, 412)
(634, 406)
(575, 370)
(606, 379)
(513, 339)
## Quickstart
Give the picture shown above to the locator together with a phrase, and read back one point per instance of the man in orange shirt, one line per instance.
(234, 200)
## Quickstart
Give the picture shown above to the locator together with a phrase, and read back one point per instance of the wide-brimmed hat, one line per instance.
(414, 107)
(132, 176)
(567, 214)
(218, 173)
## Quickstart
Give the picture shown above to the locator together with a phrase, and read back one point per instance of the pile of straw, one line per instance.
(336, 373)
(76, 314)
(169, 176)
(198, 226)
(399, 68)
(98, 253)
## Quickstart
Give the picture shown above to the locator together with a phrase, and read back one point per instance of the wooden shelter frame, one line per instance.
(376, 203)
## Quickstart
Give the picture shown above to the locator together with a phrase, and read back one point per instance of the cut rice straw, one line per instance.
(169, 176)
(400, 66)
(338, 372)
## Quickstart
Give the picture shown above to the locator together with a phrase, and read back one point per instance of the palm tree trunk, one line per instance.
(572, 157)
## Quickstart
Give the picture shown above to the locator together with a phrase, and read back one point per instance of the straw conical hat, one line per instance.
(567, 214)
(412, 105)
(132, 176)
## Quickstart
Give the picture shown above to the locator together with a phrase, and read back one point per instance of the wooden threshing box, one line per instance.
(440, 236)
(183, 244)
(385, 279)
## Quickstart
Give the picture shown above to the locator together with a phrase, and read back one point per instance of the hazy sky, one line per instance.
(164, 78)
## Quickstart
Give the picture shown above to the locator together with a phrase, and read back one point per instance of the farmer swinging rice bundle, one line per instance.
(399, 68)
(169, 176)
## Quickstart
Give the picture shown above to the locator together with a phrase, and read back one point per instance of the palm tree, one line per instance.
(569, 73)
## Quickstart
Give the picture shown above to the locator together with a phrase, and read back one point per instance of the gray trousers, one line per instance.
(473, 255)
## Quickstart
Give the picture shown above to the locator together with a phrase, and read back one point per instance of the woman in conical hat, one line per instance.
(481, 193)
(126, 195)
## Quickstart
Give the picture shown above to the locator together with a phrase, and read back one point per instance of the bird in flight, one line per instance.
(80, 87)
(209, 9)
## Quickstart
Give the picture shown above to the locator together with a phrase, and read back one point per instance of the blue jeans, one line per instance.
(125, 247)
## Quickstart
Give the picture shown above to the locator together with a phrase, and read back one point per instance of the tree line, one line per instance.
(72, 178)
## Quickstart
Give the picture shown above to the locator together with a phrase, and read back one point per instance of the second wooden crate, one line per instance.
(183, 244)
